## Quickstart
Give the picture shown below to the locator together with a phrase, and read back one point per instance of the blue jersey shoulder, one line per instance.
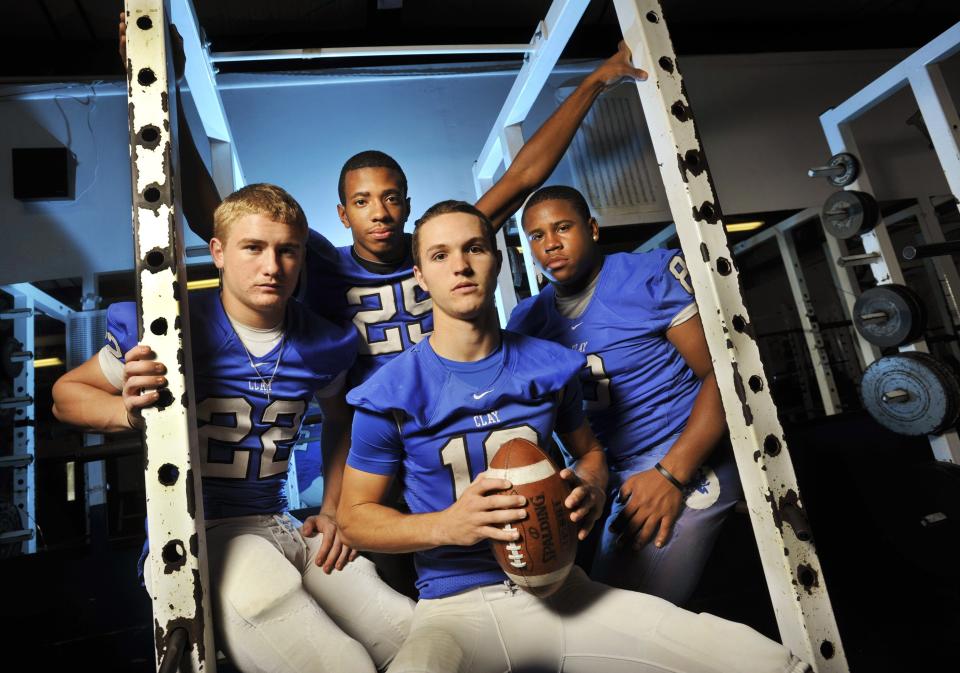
(121, 333)
(324, 346)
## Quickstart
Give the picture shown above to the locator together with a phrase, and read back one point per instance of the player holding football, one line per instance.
(258, 358)
(435, 415)
(650, 394)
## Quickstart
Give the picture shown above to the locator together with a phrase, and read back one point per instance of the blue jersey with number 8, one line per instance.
(637, 389)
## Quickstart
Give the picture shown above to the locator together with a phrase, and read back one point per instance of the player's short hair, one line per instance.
(445, 208)
(560, 193)
(369, 159)
(260, 198)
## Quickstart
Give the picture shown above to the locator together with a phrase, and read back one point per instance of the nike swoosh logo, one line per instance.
(573, 327)
(478, 396)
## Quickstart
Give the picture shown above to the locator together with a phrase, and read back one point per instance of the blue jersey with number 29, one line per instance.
(637, 388)
(247, 424)
(389, 311)
(441, 433)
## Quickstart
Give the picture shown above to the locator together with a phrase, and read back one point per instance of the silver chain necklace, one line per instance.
(267, 383)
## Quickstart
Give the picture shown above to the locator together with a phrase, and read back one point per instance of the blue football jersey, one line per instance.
(637, 388)
(390, 311)
(445, 432)
(247, 426)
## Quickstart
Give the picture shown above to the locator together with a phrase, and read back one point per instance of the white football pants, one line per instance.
(586, 627)
(275, 611)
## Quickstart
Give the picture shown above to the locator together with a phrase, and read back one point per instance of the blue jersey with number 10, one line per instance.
(247, 424)
(390, 311)
(637, 389)
(443, 433)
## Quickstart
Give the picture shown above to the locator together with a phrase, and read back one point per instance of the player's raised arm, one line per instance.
(543, 151)
(87, 398)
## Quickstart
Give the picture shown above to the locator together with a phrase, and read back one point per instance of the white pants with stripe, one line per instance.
(586, 627)
(275, 611)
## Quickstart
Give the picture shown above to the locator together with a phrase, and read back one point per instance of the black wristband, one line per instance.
(669, 477)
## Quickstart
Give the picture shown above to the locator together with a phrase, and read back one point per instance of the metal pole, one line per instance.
(808, 322)
(793, 573)
(178, 560)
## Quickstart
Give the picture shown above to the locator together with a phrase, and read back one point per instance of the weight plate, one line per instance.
(851, 168)
(911, 394)
(889, 315)
(848, 213)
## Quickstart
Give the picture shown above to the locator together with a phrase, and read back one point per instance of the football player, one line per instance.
(258, 359)
(433, 417)
(370, 283)
(649, 392)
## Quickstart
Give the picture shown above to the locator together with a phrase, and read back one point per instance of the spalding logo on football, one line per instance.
(540, 560)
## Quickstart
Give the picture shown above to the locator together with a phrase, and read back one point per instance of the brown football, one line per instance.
(540, 560)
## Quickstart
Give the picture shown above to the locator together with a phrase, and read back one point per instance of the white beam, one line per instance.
(364, 52)
(202, 80)
(548, 43)
(41, 301)
(794, 577)
(180, 585)
(942, 47)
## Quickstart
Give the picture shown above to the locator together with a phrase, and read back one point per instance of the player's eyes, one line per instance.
(393, 199)
(360, 203)
(563, 227)
(535, 237)
(439, 257)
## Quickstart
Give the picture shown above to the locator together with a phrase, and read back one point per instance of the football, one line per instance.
(540, 560)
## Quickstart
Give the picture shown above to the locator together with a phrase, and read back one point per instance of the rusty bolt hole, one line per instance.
(173, 552)
(679, 110)
(652, 17)
(771, 445)
(168, 474)
(755, 383)
(666, 63)
(159, 326)
(144, 23)
(146, 77)
(149, 134)
(723, 266)
(806, 577)
(155, 259)
(151, 194)
(827, 649)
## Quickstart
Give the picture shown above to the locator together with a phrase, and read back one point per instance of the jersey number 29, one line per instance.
(365, 318)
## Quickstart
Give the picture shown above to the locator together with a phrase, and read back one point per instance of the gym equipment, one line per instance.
(911, 394)
(840, 171)
(930, 250)
(889, 315)
(848, 213)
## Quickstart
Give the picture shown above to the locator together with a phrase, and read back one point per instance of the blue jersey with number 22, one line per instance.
(247, 424)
